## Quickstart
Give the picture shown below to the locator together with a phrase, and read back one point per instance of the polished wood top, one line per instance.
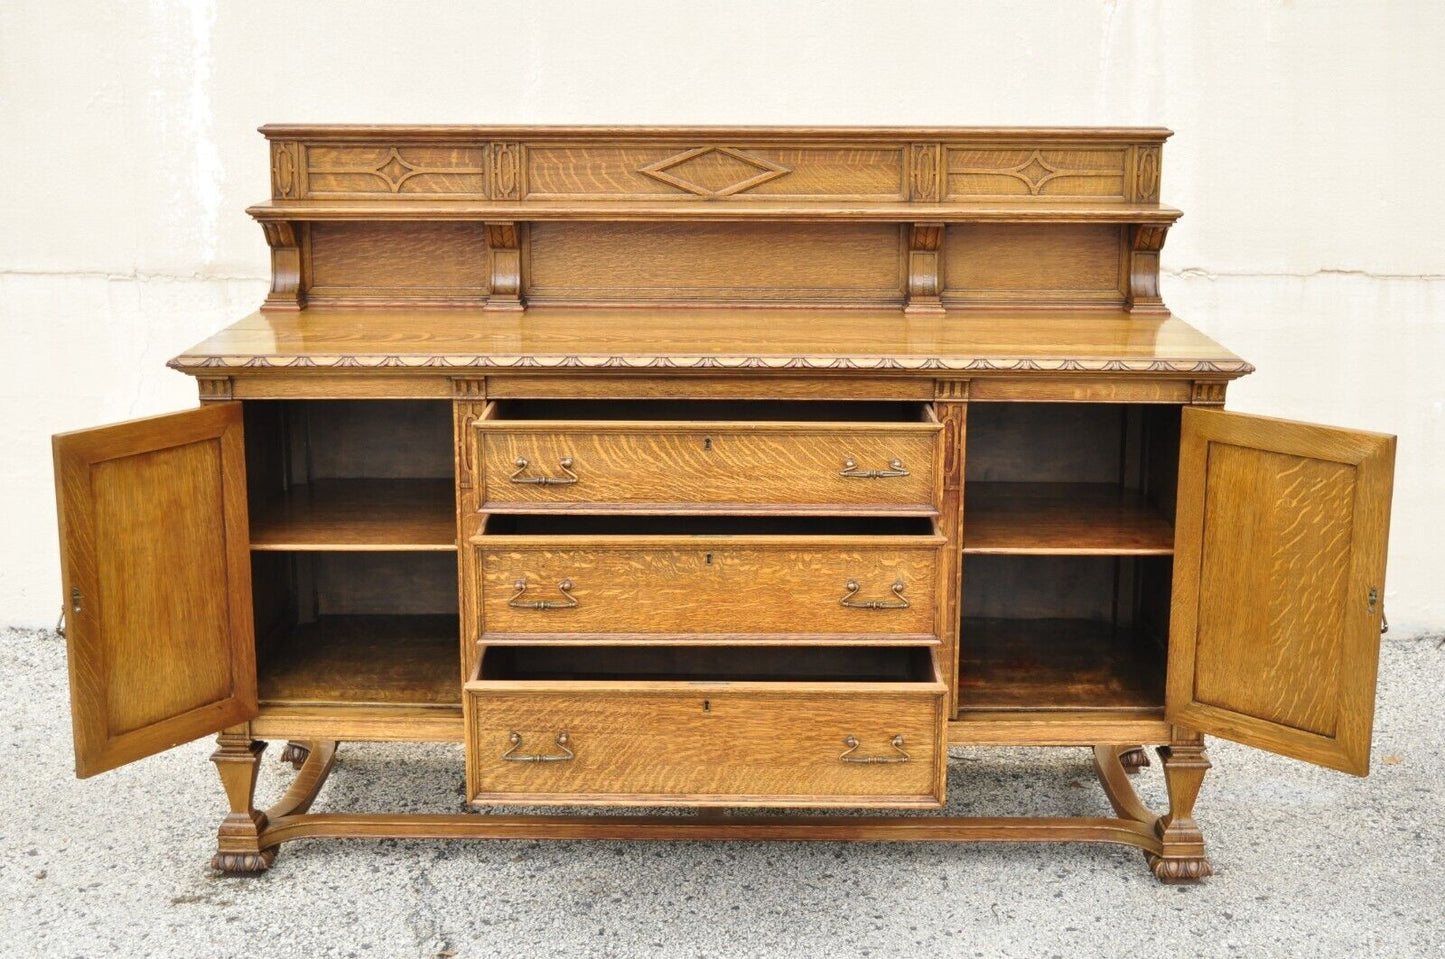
(595, 338)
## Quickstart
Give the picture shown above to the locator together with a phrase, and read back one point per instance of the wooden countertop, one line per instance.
(653, 338)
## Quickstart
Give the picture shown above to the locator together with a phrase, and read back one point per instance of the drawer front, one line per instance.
(705, 744)
(693, 467)
(738, 586)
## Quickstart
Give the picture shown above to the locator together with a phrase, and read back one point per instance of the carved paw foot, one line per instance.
(296, 754)
(243, 863)
(1134, 760)
(1179, 871)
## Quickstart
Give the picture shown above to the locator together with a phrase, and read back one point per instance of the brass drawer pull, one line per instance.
(565, 463)
(852, 743)
(520, 585)
(850, 469)
(511, 755)
(852, 587)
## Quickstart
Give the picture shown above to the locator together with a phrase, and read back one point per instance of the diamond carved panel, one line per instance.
(715, 171)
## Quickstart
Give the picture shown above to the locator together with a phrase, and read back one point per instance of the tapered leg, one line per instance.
(1182, 858)
(1133, 759)
(296, 753)
(238, 850)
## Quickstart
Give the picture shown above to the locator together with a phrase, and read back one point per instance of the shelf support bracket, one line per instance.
(925, 245)
(504, 290)
(288, 292)
(1145, 242)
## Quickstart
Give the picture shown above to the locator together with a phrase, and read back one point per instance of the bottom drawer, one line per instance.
(717, 726)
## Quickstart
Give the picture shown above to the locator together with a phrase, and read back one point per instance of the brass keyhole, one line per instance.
(707, 705)
(707, 442)
(709, 559)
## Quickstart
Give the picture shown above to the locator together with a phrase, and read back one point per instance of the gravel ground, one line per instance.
(1307, 862)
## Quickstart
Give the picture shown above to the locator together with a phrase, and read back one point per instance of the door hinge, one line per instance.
(1374, 607)
(74, 608)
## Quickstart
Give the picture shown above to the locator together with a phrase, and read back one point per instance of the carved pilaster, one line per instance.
(288, 172)
(924, 284)
(1146, 174)
(925, 172)
(288, 293)
(1145, 242)
(1182, 858)
(238, 841)
(506, 171)
(505, 289)
(216, 389)
(1208, 393)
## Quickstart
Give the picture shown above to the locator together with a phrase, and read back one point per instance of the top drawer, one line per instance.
(883, 458)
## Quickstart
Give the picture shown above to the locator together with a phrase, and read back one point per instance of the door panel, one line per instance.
(1279, 565)
(157, 572)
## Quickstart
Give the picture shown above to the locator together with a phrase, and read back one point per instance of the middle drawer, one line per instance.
(738, 579)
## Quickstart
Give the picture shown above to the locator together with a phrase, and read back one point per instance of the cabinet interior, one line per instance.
(1068, 540)
(353, 552)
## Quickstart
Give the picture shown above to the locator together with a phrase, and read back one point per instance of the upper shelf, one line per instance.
(716, 210)
(713, 339)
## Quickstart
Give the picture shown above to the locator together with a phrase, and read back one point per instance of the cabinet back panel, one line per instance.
(715, 262)
(377, 584)
(1029, 263)
(387, 261)
(1045, 443)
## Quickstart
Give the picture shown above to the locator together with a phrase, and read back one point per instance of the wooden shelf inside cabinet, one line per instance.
(1082, 519)
(407, 661)
(1057, 664)
(359, 515)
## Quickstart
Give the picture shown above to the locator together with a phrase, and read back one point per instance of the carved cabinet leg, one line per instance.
(238, 841)
(1182, 858)
(1133, 759)
(296, 753)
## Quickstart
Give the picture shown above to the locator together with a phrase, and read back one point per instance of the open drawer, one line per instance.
(622, 579)
(805, 457)
(706, 726)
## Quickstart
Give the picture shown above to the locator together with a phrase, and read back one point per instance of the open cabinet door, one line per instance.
(156, 564)
(1279, 577)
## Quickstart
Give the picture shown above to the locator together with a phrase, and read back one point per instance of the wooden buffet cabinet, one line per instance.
(719, 468)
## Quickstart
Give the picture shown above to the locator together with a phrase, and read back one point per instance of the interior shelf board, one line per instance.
(359, 514)
(1057, 665)
(404, 661)
(1062, 519)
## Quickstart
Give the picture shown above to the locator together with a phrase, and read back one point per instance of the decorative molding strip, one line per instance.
(1145, 242)
(925, 244)
(505, 285)
(386, 169)
(745, 172)
(1039, 168)
(992, 364)
(287, 293)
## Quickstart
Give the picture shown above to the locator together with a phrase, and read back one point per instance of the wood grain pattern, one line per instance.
(1280, 540)
(1064, 519)
(730, 467)
(382, 263)
(730, 744)
(375, 661)
(1033, 264)
(709, 585)
(722, 263)
(157, 581)
(358, 514)
(1058, 171)
(550, 339)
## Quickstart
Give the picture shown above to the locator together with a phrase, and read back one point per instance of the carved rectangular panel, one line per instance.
(410, 262)
(385, 170)
(713, 171)
(1279, 580)
(1025, 262)
(1015, 172)
(716, 262)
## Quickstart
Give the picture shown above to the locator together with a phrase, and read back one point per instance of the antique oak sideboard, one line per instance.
(723, 469)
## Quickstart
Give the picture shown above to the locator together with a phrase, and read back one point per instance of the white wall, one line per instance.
(1309, 141)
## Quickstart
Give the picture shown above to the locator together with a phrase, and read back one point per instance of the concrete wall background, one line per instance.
(1308, 136)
